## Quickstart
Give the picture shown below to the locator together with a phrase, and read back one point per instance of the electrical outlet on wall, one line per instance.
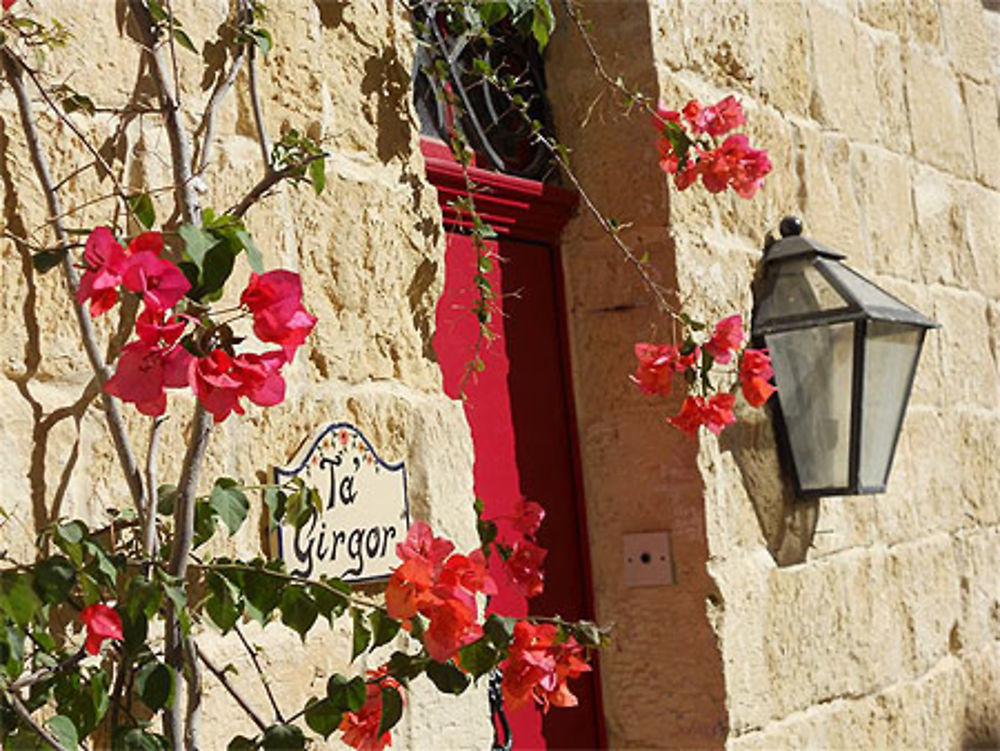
(648, 562)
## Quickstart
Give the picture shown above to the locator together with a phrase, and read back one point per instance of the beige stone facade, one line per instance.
(867, 622)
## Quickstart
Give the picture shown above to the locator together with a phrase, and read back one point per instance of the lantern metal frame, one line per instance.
(828, 263)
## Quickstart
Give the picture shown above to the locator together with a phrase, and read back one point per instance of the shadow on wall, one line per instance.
(787, 522)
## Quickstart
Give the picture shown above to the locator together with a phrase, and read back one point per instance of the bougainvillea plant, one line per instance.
(99, 634)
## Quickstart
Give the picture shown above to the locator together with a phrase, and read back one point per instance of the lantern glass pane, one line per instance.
(865, 294)
(799, 288)
(891, 352)
(813, 370)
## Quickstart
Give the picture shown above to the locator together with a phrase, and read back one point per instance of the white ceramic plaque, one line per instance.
(365, 510)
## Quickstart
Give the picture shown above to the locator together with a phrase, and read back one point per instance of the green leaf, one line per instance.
(18, 598)
(330, 604)
(392, 709)
(141, 205)
(322, 717)
(135, 630)
(346, 695)
(54, 578)
(101, 567)
(254, 257)
(298, 611)
(361, 634)
(263, 39)
(63, 730)
(448, 678)
(500, 629)
(71, 532)
(317, 175)
(204, 522)
(137, 739)
(46, 260)
(155, 683)
(283, 738)
(184, 40)
(197, 243)
(406, 667)
(491, 12)
(478, 658)
(383, 627)
(262, 593)
(223, 603)
(217, 269)
(229, 502)
(275, 500)
(77, 102)
(241, 743)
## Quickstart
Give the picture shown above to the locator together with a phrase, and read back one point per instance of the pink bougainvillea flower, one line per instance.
(452, 625)
(160, 282)
(755, 375)
(665, 115)
(215, 384)
(152, 328)
(529, 518)
(102, 623)
(717, 119)
(421, 543)
(735, 164)
(7, 4)
(140, 378)
(727, 336)
(656, 367)
(360, 729)
(275, 300)
(717, 412)
(524, 566)
(261, 376)
(105, 261)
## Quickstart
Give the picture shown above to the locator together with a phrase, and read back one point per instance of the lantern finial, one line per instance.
(790, 225)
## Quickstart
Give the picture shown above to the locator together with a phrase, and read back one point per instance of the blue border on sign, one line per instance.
(392, 467)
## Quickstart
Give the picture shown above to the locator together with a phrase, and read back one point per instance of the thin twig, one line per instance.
(192, 713)
(258, 113)
(220, 675)
(116, 425)
(64, 118)
(24, 714)
(207, 127)
(269, 180)
(149, 539)
(263, 679)
(27, 680)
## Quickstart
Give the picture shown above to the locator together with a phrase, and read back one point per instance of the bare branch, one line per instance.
(180, 144)
(13, 70)
(220, 675)
(192, 715)
(263, 679)
(269, 180)
(149, 539)
(207, 127)
(258, 113)
(24, 714)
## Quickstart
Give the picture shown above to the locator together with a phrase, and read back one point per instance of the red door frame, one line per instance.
(530, 211)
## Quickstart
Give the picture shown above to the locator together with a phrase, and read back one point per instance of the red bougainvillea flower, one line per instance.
(452, 626)
(727, 336)
(755, 375)
(735, 164)
(102, 623)
(529, 518)
(275, 300)
(421, 543)
(689, 419)
(220, 380)
(140, 378)
(717, 412)
(717, 119)
(408, 589)
(360, 729)
(524, 566)
(7, 4)
(105, 261)
(160, 282)
(656, 368)
(538, 668)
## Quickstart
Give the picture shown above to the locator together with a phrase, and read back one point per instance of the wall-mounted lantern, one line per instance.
(845, 355)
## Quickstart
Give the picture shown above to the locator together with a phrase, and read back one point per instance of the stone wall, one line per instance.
(372, 266)
(862, 622)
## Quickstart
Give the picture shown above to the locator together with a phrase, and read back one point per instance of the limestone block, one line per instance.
(966, 38)
(882, 184)
(830, 204)
(982, 699)
(883, 14)
(984, 122)
(937, 114)
(843, 65)
(890, 82)
(923, 23)
(979, 481)
(931, 445)
(940, 225)
(718, 41)
(781, 30)
(969, 364)
(980, 269)
(978, 560)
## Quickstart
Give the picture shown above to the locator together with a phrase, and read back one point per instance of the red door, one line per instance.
(519, 412)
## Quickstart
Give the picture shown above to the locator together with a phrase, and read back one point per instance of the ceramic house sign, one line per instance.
(364, 508)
